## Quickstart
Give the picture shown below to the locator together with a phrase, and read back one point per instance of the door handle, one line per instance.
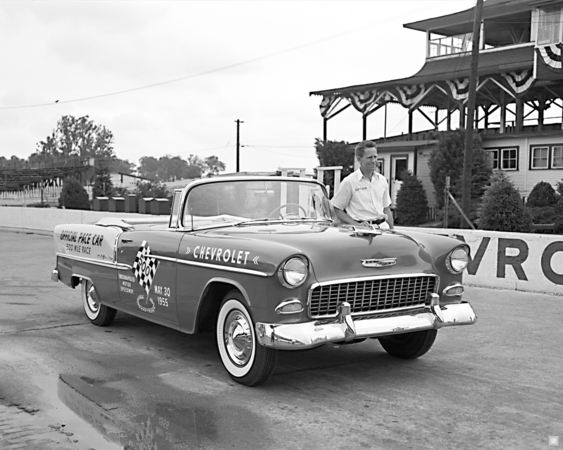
(126, 240)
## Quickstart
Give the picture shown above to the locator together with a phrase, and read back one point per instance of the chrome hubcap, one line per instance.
(91, 297)
(238, 338)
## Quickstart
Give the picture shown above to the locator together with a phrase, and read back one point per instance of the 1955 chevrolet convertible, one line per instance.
(263, 263)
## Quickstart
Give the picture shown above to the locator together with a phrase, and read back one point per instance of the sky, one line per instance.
(172, 77)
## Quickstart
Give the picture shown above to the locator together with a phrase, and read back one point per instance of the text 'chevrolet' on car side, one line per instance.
(263, 262)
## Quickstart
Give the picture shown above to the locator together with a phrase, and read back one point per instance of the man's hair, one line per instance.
(361, 147)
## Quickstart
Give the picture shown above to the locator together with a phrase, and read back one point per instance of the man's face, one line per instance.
(368, 162)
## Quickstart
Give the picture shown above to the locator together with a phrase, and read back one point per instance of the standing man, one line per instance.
(363, 197)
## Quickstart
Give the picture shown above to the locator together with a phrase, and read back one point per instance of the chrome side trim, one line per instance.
(164, 258)
(225, 268)
(344, 328)
(97, 262)
(121, 266)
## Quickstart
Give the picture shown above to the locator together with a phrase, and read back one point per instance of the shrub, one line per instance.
(412, 204)
(542, 195)
(153, 189)
(503, 209)
(73, 195)
(447, 159)
(549, 214)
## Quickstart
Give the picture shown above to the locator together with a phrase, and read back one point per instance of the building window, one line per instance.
(546, 157)
(540, 157)
(549, 25)
(449, 45)
(509, 159)
(493, 157)
(557, 157)
(503, 158)
(381, 166)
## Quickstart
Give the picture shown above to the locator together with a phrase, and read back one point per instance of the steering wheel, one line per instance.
(285, 205)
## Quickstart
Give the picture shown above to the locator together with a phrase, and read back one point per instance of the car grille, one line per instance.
(371, 295)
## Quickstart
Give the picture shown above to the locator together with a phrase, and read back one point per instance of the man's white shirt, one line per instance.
(361, 198)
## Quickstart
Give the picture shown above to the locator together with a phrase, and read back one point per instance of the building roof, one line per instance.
(438, 69)
(462, 22)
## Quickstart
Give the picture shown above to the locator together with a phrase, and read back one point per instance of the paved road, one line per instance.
(68, 385)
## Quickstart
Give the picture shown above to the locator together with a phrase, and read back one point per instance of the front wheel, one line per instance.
(409, 345)
(246, 361)
(98, 314)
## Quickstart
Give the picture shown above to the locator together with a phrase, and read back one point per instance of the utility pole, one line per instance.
(470, 117)
(238, 122)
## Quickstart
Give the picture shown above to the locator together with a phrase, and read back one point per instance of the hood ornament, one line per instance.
(378, 263)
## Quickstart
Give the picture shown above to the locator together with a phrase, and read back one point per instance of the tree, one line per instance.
(447, 160)
(213, 166)
(148, 167)
(170, 168)
(503, 209)
(335, 153)
(412, 204)
(121, 166)
(542, 194)
(78, 137)
(103, 186)
(73, 195)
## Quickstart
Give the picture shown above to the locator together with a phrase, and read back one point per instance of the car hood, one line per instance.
(338, 252)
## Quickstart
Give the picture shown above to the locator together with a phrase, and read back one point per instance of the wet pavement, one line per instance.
(66, 384)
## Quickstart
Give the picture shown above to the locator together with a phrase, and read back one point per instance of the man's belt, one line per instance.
(376, 221)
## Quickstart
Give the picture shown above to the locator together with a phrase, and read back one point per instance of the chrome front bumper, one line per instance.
(345, 329)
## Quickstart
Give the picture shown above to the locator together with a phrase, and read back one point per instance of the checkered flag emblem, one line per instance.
(145, 267)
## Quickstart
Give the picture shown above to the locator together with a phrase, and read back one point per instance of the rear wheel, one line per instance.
(246, 361)
(98, 314)
(409, 345)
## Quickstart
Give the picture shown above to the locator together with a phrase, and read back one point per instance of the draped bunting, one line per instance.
(521, 81)
(551, 56)
(459, 88)
(409, 95)
(362, 101)
(326, 104)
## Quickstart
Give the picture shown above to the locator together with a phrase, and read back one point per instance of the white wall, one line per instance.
(518, 261)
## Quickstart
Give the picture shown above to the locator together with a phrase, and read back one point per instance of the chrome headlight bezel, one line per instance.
(293, 272)
(458, 259)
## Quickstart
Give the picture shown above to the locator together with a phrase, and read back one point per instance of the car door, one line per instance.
(149, 286)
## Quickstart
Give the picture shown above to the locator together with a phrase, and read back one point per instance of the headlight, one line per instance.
(293, 272)
(457, 260)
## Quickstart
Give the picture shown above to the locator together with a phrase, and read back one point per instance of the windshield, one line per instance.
(237, 201)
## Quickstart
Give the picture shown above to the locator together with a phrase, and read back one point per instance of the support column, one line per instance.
(519, 114)
(461, 115)
(541, 111)
(502, 112)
